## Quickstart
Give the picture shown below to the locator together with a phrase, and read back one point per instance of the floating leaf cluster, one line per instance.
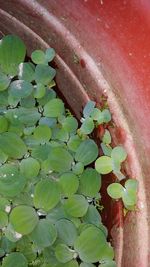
(48, 187)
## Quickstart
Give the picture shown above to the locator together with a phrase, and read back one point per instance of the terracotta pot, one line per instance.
(103, 48)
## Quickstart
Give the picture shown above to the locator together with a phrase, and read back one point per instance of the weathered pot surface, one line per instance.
(102, 49)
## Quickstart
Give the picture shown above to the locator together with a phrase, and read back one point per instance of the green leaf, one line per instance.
(118, 154)
(11, 235)
(89, 107)
(92, 216)
(84, 264)
(11, 182)
(63, 253)
(61, 134)
(41, 152)
(56, 214)
(115, 190)
(106, 149)
(3, 219)
(44, 74)
(46, 194)
(106, 137)
(103, 165)
(23, 219)
(87, 126)
(26, 71)
(12, 53)
(78, 168)
(3, 100)
(90, 182)
(70, 124)
(16, 259)
(38, 57)
(97, 115)
(59, 160)
(3, 124)
(67, 232)
(39, 91)
(50, 94)
(27, 116)
(44, 234)
(89, 244)
(12, 145)
(129, 198)
(87, 152)
(29, 167)
(49, 54)
(74, 143)
(54, 108)
(106, 115)
(20, 89)
(4, 81)
(69, 183)
(76, 206)
(51, 122)
(42, 133)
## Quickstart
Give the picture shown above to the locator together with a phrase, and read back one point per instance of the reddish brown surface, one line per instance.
(103, 47)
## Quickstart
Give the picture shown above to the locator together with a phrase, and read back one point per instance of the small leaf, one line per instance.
(54, 108)
(59, 160)
(16, 259)
(87, 152)
(63, 253)
(89, 244)
(118, 154)
(84, 264)
(39, 91)
(41, 152)
(108, 264)
(42, 133)
(12, 53)
(38, 57)
(44, 234)
(67, 232)
(131, 185)
(76, 206)
(106, 137)
(74, 142)
(12, 145)
(70, 124)
(26, 71)
(4, 81)
(29, 167)
(90, 182)
(103, 165)
(69, 183)
(106, 149)
(92, 216)
(115, 190)
(44, 74)
(106, 115)
(23, 219)
(89, 107)
(46, 194)
(20, 89)
(87, 126)
(97, 115)
(3, 124)
(78, 168)
(49, 54)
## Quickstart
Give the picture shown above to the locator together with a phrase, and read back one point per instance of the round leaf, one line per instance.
(20, 89)
(44, 234)
(23, 219)
(42, 133)
(54, 108)
(46, 194)
(89, 244)
(89, 107)
(12, 53)
(76, 206)
(26, 72)
(59, 160)
(49, 54)
(87, 152)
(87, 126)
(104, 165)
(70, 124)
(39, 91)
(12, 145)
(3, 219)
(69, 183)
(29, 167)
(38, 57)
(44, 74)
(90, 182)
(3, 124)
(63, 253)
(66, 231)
(118, 154)
(92, 216)
(115, 190)
(16, 259)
